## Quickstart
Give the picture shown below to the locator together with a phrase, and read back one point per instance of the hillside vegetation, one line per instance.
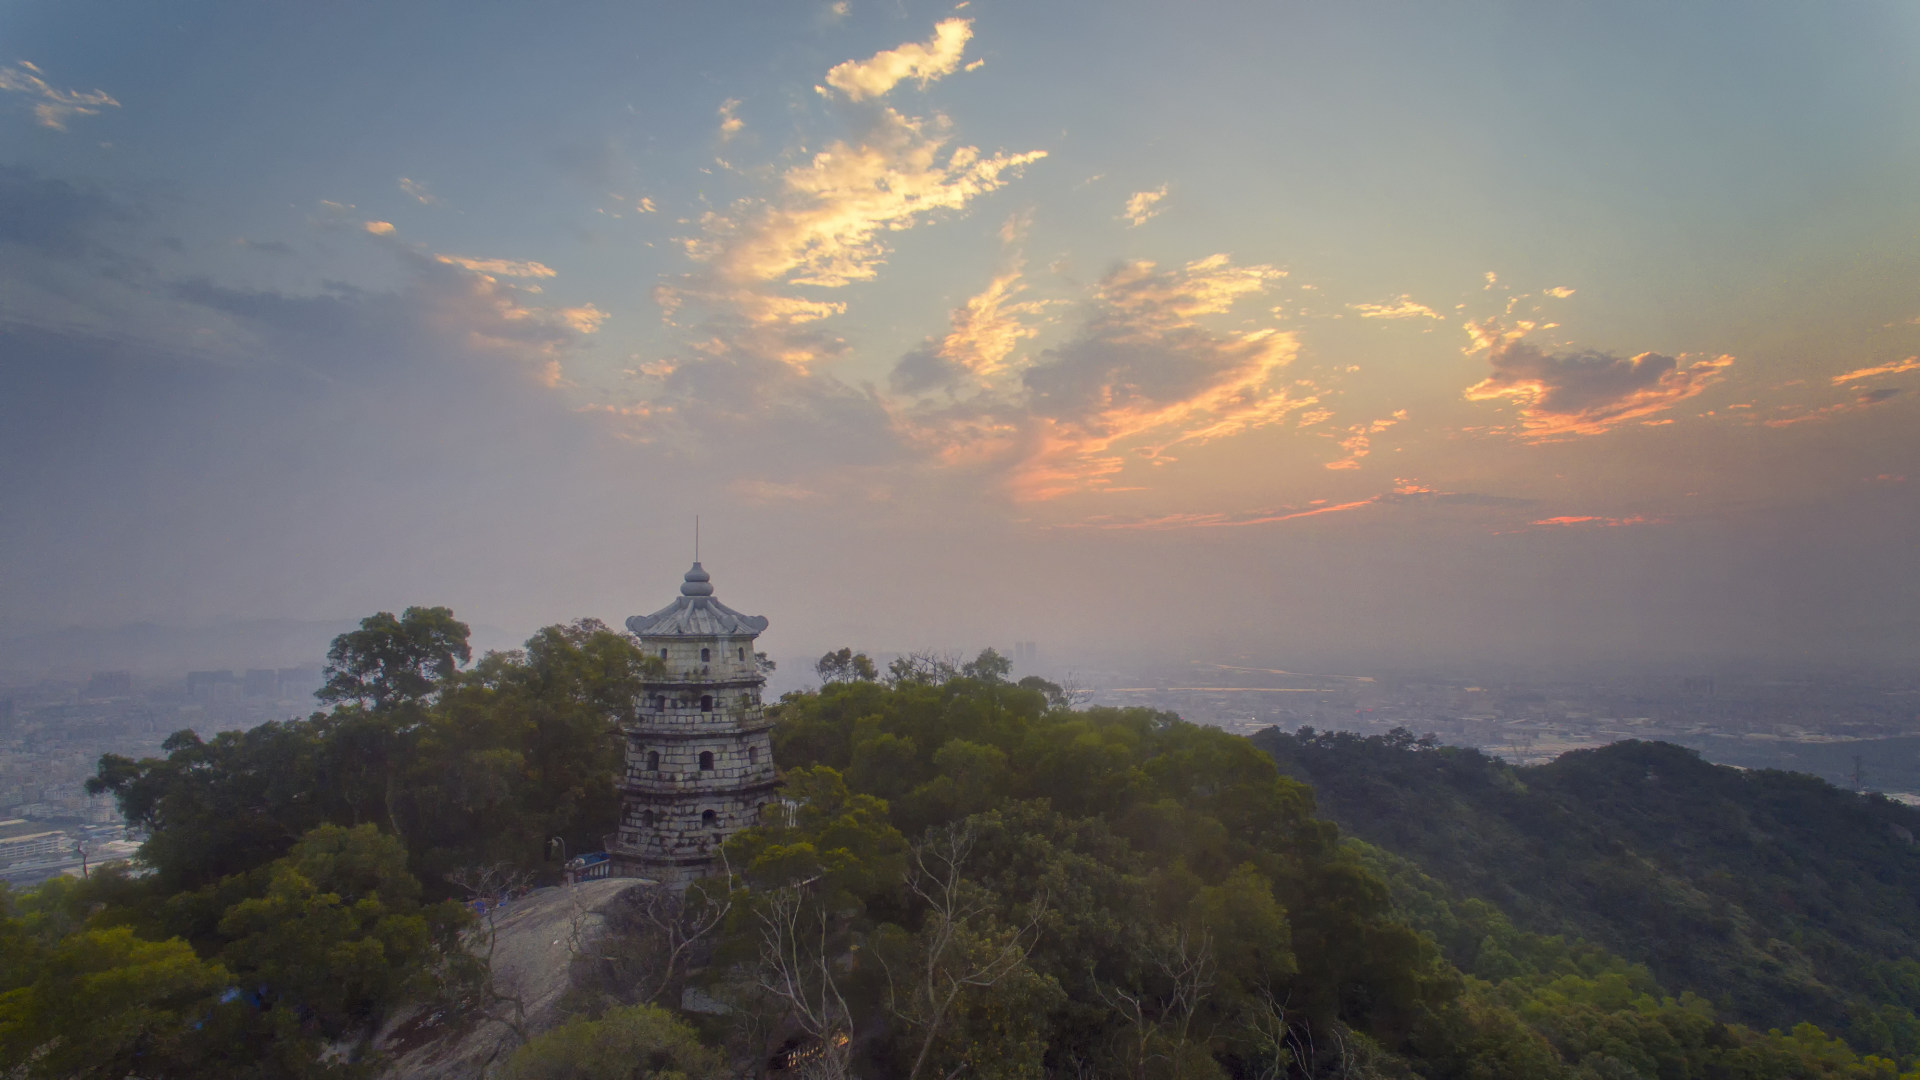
(965, 877)
(1777, 895)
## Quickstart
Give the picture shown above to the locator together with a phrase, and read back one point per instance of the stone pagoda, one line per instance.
(699, 760)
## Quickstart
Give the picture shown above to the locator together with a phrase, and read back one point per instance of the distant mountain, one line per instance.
(163, 649)
(1775, 894)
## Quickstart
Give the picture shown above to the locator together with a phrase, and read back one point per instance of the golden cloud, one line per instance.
(500, 267)
(1403, 308)
(925, 61)
(825, 227)
(1143, 206)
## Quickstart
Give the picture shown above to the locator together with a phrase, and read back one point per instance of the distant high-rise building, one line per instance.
(109, 684)
(699, 759)
(206, 685)
(261, 683)
(299, 682)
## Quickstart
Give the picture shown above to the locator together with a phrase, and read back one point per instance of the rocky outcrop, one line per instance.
(535, 940)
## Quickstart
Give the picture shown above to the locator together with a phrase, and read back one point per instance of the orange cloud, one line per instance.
(1601, 522)
(1223, 521)
(1359, 440)
(1894, 367)
(925, 61)
(1582, 393)
(1140, 377)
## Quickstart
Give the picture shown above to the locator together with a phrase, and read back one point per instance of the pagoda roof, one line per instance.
(697, 614)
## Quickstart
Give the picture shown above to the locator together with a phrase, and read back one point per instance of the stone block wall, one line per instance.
(739, 759)
(726, 658)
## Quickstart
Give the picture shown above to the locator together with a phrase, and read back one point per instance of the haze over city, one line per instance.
(1472, 335)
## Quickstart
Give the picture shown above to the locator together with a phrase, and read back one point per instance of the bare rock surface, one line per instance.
(535, 940)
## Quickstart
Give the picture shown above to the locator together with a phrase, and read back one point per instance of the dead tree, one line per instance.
(797, 958)
(649, 939)
(1162, 1023)
(954, 954)
(487, 889)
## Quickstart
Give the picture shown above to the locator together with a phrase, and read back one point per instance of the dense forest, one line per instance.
(1777, 895)
(966, 876)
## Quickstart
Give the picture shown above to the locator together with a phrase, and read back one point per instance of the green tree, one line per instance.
(339, 933)
(845, 665)
(389, 661)
(637, 1042)
(107, 1004)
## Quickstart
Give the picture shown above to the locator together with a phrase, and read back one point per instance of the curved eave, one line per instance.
(697, 616)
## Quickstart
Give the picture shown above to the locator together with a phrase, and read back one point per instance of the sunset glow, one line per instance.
(1018, 314)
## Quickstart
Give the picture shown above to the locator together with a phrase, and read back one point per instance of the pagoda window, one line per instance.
(653, 760)
(660, 702)
(706, 760)
(706, 702)
(663, 652)
(706, 655)
(742, 652)
(708, 818)
(646, 818)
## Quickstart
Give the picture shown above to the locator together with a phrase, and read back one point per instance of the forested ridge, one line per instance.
(965, 876)
(1777, 895)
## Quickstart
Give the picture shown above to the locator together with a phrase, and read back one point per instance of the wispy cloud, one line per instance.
(1145, 375)
(1790, 415)
(1403, 308)
(379, 228)
(981, 338)
(1143, 206)
(1359, 440)
(1405, 492)
(1582, 393)
(419, 191)
(858, 80)
(54, 106)
(519, 268)
(1595, 521)
(730, 122)
(1894, 367)
(826, 224)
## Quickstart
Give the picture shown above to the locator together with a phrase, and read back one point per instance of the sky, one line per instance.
(1358, 333)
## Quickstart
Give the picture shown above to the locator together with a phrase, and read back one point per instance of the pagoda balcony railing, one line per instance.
(693, 721)
(713, 782)
(705, 674)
